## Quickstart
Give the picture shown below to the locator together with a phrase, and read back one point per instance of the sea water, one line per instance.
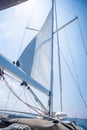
(79, 121)
(82, 123)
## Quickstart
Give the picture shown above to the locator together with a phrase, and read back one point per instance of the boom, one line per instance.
(8, 66)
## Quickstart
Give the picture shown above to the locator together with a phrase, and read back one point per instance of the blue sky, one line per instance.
(12, 26)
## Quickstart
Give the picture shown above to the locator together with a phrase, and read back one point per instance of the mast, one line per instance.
(21, 75)
(59, 62)
(60, 78)
(51, 78)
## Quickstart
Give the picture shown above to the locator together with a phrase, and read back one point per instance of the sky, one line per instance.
(13, 22)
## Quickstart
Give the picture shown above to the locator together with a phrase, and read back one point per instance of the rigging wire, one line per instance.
(84, 45)
(68, 43)
(21, 43)
(32, 107)
(82, 37)
(16, 80)
(25, 33)
(26, 98)
(7, 100)
(74, 80)
(11, 77)
(17, 98)
(33, 100)
(77, 85)
(68, 10)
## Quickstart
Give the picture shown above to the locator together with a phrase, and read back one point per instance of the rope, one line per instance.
(81, 33)
(32, 107)
(68, 10)
(16, 100)
(12, 78)
(74, 81)
(7, 100)
(82, 37)
(21, 44)
(79, 86)
(25, 33)
(26, 98)
(33, 100)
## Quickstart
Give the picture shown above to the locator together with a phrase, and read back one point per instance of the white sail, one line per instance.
(36, 58)
(26, 58)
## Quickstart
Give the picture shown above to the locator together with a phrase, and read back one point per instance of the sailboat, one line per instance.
(34, 70)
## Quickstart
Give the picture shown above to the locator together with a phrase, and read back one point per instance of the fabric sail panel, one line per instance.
(36, 58)
(42, 57)
(26, 58)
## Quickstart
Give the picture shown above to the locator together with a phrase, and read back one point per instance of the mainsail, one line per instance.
(36, 58)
